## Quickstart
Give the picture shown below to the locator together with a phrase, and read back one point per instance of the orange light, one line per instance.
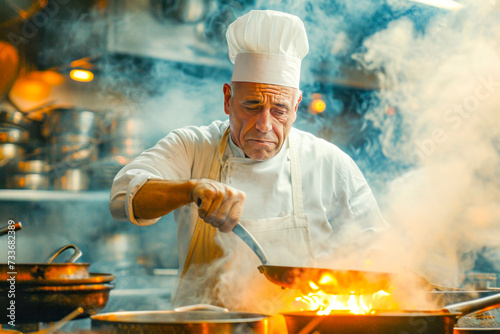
(52, 78)
(317, 105)
(81, 75)
(30, 89)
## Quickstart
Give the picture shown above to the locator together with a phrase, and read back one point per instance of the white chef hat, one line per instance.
(267, 46)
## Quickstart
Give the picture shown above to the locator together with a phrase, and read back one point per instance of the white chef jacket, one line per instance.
(337, 198)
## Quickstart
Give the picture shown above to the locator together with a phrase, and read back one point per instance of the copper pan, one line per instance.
(364, 282)
(343, 283)
(36, 272)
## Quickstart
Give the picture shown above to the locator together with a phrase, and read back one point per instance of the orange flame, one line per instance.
(354, 303)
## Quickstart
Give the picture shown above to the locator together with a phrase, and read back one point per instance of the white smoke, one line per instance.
(444, 84)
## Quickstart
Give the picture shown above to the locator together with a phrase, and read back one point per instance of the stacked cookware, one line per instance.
(120, 145)
(67, 149)
(72, 137)
(16, 136)
(49, 291)
(52, 153)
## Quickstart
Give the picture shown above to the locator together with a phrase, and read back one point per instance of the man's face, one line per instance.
(260, 116)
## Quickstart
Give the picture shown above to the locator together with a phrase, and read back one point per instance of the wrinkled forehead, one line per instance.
(259, 91)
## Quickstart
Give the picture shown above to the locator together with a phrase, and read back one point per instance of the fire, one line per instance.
(353, 303)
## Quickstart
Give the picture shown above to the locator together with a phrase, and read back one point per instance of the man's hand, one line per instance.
(219, 204)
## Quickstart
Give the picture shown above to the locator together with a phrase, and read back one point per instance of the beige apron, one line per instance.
(204, 265)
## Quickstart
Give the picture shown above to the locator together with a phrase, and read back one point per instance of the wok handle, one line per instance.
(247, 238)
(58, 252)
(471, 306)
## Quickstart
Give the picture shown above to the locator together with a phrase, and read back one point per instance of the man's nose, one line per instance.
(264, 120)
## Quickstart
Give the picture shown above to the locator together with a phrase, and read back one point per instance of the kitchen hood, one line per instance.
(178, 31)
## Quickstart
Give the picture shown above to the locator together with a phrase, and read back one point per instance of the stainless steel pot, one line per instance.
(33, 181)
(73, 179)
(70, 121)
(68, 155)
(13, 134)
(180, 321)
(11, 152)
(32, 166)
(16, 118)
(28, 174)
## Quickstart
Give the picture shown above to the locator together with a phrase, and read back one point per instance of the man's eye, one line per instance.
(252, 108)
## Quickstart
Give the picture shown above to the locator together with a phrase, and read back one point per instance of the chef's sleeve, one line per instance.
(170, 159)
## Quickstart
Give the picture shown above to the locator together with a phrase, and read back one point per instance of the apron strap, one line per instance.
(203, 232)
(298, 199)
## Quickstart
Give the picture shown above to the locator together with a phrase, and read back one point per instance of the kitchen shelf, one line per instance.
(53, 195)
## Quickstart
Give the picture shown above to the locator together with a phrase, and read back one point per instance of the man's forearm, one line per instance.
(157, 198)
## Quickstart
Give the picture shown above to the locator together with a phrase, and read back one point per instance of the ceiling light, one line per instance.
(81, 75)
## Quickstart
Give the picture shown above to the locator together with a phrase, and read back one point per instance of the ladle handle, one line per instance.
(481, 304)
(247, 238)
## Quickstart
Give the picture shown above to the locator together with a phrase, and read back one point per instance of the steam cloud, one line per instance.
(444, 83)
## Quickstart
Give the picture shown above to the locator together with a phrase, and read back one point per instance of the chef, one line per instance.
(299, 196)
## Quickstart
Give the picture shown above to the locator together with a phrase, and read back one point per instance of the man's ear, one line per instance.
(298, 102)
(227, 96)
